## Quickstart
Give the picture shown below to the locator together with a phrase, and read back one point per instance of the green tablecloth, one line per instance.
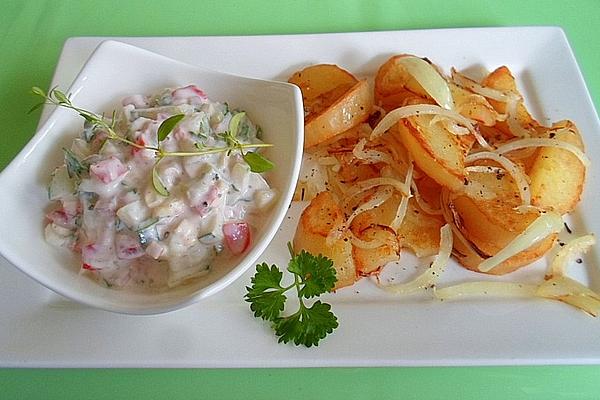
(31, 36)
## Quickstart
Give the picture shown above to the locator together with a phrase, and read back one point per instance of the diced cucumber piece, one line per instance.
(61, 185)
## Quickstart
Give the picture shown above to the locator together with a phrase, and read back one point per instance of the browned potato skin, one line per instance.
(557, 176)
(370, 261)
(317, 220)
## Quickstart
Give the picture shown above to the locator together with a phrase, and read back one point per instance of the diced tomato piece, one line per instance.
(237, 236)
(88, 267)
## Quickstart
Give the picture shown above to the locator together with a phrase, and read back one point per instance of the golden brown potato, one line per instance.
(502, 79)
(370, 261)
(436, 151)
(420, 232)
(393, 80)
(334, 101)
(473, 106)
(557, 176)
(316, 222)
(485, 214)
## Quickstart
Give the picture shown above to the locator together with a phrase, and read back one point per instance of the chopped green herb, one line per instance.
(313, 276)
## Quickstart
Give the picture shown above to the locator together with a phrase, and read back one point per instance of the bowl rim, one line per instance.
(279, 211)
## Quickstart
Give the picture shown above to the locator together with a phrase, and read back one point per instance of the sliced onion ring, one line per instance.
(543, 142)
(543, 226)
(515, 172)
(428, 278)
(486, 288)
(398, 114)
(559, 264)
(494, 94)
(429, 79)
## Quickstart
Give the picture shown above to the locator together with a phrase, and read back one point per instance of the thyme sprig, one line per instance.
(257, 162)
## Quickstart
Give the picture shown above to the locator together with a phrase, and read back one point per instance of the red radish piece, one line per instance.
(237, 236)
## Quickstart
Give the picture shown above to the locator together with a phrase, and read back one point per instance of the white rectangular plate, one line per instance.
(41, 329)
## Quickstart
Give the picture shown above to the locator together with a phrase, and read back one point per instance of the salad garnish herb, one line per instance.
(256, 161)
(313, 276)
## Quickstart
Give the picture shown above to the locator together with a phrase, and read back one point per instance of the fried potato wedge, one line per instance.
(557, 176)
(420, 232)
(393, 80)
(485, 214)
(334, 101)
(502, 79)
(316, 222)
(436, 151)
(474, 106)
(369, 261)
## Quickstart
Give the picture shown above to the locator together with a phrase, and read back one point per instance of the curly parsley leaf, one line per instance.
(316, 273)
(307, 326)
(266, 296)
(313, 276)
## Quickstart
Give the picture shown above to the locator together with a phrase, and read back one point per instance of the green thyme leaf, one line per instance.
(257, 162)
(157, 182)
(60, 96)
(35, 107)
(37, 91)
(234, 123)
(166, 127)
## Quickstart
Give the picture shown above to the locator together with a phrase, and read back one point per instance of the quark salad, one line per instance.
(174, 197)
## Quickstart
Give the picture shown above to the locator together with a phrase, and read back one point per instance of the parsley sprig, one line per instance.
(313, 276)
(257, 162)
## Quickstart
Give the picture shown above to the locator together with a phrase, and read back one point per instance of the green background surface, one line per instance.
(31, 36)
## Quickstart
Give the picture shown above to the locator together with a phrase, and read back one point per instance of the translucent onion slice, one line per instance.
(370, 156)
(543, 142)
(571, 292)
(486, 288)
(363, 186)
(449, 125)
(379, 197)
(429, 79)
(494, 94)
(515, 172)
(396, 115)
(428, 278)
(545, 225)
(403, 206)
(513, 122)
(364, 244)
(566, 254)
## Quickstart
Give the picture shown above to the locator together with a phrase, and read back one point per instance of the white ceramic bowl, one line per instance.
(114, 71)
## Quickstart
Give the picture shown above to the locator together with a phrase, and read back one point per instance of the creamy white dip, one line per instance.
(127, 233)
